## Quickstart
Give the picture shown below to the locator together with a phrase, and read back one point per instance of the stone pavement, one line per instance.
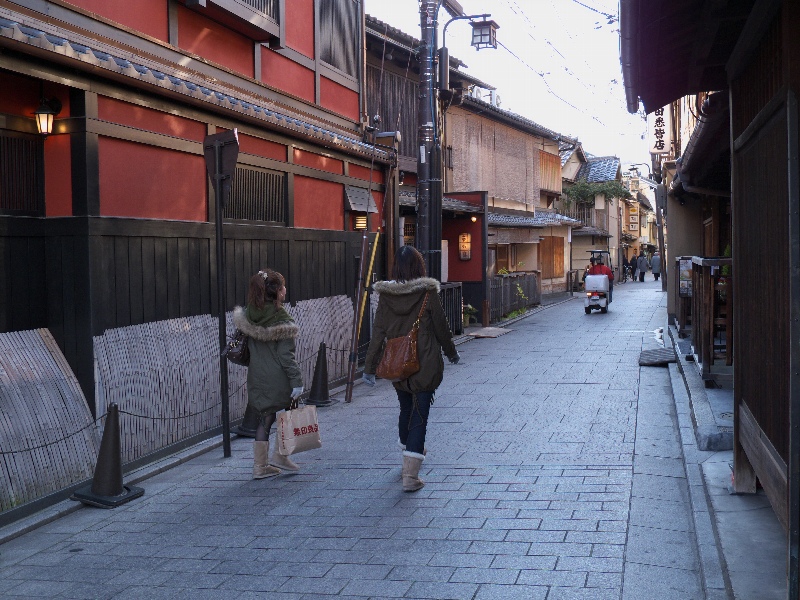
(555, 471)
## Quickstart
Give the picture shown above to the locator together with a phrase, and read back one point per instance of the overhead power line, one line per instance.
(550, 89)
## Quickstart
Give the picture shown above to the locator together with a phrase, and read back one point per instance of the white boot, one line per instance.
(260, 467)
(412, 462)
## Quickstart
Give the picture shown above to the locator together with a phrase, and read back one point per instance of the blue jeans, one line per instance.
(413, 422)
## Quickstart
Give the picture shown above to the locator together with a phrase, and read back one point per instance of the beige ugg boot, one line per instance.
(261, 468)
(412, 462)
(279, 460)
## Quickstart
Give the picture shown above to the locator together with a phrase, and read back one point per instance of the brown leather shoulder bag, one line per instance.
(400, 360)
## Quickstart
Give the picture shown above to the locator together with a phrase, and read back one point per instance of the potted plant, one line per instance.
(469, 315)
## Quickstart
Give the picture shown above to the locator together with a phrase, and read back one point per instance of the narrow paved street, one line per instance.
(554, 472)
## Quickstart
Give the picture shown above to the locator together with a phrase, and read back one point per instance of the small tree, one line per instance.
(583, 192)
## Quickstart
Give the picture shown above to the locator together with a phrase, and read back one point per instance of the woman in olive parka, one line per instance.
(398, 307)
(273, 377)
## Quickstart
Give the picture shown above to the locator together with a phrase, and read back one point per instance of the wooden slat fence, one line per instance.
(505, 297)
(164, 375)
(453, 305)
(48, 438)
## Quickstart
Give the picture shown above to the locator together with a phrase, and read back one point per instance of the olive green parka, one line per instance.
(273, 370)
(398, 307)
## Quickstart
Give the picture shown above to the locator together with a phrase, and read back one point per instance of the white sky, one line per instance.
(567, 76)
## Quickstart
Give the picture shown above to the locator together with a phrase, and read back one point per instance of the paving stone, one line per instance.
(535, 498)
(511, 592)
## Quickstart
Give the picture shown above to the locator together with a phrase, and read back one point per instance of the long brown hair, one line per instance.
(264, 287)
(408, 264)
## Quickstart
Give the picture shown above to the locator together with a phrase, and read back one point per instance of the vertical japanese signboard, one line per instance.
(659, 131)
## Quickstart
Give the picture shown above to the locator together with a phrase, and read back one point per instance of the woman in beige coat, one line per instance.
(273, 377)
(400, 303)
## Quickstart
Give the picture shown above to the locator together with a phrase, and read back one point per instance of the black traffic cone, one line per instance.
(107, 490)
(249, 424)
(319, 396)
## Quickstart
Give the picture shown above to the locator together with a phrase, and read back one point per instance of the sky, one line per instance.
(557, 63)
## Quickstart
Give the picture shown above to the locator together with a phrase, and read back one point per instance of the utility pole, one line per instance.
(429, 177)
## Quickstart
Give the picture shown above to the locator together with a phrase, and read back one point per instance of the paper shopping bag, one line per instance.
(298, 430)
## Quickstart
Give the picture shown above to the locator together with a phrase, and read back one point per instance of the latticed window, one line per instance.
(267, 7)
(257, 195)
(21, 174)
(339, 34)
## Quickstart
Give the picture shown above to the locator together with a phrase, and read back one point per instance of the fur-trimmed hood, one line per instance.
(400, 288)
(280, 331)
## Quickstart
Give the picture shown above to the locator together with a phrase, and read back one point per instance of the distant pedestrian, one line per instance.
(642, 265)
(399, 306)
(273, 377)
(634, 268)
(655, 264)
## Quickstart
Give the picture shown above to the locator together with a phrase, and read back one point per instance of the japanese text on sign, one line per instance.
(659, 131)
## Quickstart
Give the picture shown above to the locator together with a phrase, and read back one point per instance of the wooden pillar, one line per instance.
(85, 203)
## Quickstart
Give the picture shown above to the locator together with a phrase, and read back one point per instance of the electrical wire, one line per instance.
(550, 89)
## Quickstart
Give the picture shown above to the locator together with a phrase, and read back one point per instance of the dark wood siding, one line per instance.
(397, 106)
(762, 287)
(80, 276)
(21, 174)
(760, 80)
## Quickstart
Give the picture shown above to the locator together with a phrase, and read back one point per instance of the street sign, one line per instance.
(222, 164)
(221, 150)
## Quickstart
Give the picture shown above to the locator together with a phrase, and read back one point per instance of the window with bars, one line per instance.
(339, 34)
(21, 174)
(409, 232)
(257, 195)
(448, 157)
(268, 7)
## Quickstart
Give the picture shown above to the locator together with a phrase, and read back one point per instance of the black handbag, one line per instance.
(237, 350)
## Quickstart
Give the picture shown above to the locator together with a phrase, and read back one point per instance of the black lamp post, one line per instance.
(429, 160)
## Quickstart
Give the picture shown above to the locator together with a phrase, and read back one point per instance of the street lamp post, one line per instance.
(429, 160)
(429, 203)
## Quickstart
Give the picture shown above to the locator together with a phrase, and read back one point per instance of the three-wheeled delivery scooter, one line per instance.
(597, 286)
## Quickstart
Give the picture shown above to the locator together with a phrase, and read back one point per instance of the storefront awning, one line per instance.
(359, 199)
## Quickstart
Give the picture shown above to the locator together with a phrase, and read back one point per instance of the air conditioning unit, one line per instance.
(494, 98)
(476, 92)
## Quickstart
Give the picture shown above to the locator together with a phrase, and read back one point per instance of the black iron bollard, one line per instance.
(319, 396)
(107, 490)
(249, 423)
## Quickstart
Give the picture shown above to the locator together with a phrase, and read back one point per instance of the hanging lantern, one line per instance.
(484, 34)
(45, 114)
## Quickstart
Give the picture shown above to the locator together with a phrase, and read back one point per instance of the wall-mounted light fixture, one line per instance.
(484, 34)
(361, 222)
(474, 219)
(465, 246)
(47, 111)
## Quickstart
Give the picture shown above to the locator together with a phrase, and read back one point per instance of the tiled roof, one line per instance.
(593, 231)
(643, 200)
(598, 169)
(452, 204)
(567, 146)
(146, 71)
(515, 119)
(539, 219)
